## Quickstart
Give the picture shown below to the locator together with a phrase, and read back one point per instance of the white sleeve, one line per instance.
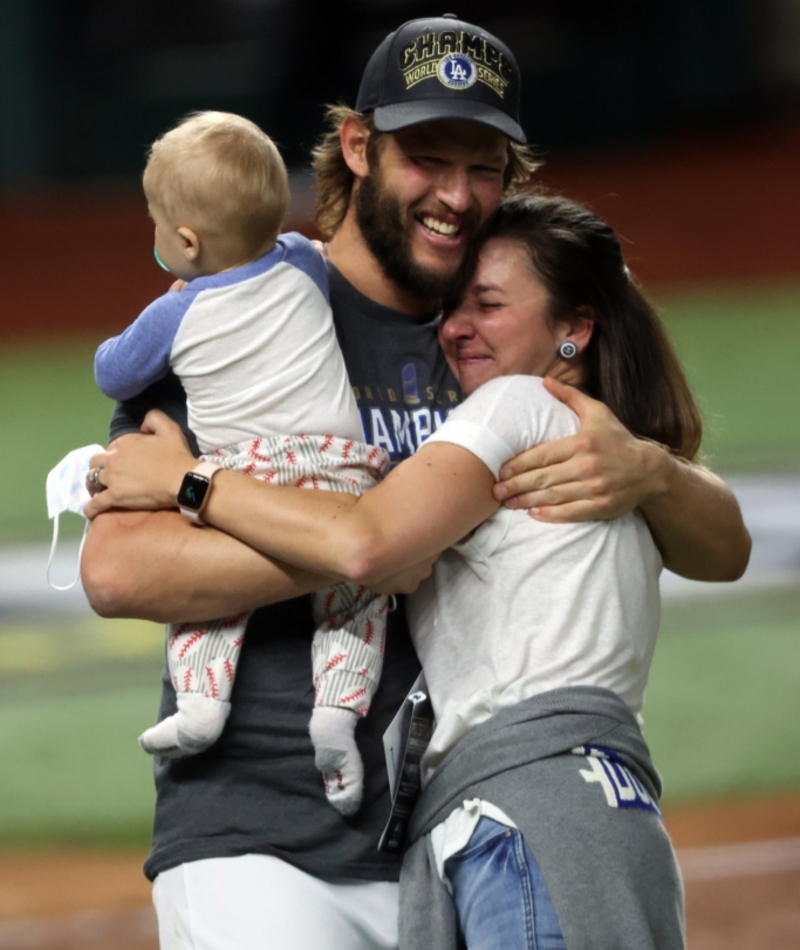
(504, 417)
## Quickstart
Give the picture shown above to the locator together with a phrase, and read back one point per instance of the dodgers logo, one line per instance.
(457, 71)
(620, 786)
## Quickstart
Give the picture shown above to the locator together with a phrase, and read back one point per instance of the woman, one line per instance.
(535, 638)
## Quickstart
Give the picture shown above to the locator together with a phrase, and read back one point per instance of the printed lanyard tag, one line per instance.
(404, 743)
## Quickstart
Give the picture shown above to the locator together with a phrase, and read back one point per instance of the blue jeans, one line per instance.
(500, 895)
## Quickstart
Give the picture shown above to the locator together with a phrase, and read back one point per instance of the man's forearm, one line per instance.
(156, 566)
(696, 521)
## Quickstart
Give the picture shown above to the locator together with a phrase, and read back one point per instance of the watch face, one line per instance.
(193, 491)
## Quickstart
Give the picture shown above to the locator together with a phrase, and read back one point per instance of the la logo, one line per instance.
(457, 71)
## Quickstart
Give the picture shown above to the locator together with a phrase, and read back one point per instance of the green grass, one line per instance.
(50, 405)
(721, 715)
(740, 350)
(724, 697)
(723, 702)
(73, 700)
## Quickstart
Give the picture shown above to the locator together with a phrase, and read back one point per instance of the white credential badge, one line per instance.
(457, 71)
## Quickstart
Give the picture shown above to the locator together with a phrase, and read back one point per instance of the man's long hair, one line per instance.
(334, 180)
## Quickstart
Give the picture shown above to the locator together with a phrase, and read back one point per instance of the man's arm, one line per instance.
(604, 471)
(696, 522)
(156, 566)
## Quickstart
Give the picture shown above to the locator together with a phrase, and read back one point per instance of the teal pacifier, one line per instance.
(157, 256)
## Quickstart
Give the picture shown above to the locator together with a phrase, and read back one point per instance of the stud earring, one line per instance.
(567, 350)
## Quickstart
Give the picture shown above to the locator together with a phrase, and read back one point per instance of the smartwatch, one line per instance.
(195, 489)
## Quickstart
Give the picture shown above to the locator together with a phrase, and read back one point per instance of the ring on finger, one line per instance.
(93, 484)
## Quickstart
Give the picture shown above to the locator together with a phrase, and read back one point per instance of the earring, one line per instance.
(567, 350)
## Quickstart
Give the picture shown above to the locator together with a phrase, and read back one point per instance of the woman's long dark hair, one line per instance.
(629, 363)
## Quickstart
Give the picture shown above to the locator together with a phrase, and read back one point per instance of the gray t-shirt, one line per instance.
(256, 791)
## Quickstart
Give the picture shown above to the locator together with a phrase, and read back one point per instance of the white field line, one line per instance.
(740, 860)
(770, 504)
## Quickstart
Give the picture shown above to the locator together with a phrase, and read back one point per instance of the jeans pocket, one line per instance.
(500, 896)
(483, 839)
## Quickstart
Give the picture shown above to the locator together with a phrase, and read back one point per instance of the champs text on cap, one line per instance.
(457, 58)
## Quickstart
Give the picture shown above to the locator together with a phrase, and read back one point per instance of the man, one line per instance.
(246, 851)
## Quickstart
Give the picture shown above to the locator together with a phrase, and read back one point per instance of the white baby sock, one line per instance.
(196, 725)
(337, 757)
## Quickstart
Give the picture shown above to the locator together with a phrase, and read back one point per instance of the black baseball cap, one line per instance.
(442, 68)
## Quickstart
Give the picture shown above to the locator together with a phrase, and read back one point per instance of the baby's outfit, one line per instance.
(268, 394)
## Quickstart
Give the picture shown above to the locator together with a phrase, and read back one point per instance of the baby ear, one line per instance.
(191, 244)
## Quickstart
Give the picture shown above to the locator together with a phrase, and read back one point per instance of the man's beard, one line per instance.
(380, 220)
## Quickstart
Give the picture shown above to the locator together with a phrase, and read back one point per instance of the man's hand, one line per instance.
(600, 473)
(604, 472)
(142, 471)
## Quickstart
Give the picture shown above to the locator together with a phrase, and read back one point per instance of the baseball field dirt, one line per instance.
(741, 863)
(690, 212)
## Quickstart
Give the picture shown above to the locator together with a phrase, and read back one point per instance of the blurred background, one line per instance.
(677, 120)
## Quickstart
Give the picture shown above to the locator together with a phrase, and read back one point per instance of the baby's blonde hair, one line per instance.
(220, 175)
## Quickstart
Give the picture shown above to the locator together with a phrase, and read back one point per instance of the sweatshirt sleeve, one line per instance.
(129, 363)
(504, 417)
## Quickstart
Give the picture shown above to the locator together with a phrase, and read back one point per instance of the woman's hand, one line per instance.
(142, 471)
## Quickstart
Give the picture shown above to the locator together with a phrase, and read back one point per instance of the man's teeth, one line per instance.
(440, 227)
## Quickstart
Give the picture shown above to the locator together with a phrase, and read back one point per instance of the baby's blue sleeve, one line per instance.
(129, 363)
(301, 253)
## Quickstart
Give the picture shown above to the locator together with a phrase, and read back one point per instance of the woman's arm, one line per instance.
(154, 565)
(604, 471)
(426, 504)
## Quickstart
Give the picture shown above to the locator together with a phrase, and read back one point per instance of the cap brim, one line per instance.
(402, 115)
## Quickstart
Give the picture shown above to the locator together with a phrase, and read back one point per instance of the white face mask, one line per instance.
(66, 491)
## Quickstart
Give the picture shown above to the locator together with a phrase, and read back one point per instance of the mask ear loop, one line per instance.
(53, 552)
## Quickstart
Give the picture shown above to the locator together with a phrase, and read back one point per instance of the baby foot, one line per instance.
(336, 755)
(196, 725)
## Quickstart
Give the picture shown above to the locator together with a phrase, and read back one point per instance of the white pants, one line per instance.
(258, 902)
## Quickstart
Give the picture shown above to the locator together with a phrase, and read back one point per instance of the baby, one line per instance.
(250, 335)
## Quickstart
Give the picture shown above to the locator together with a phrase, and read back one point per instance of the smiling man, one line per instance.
(405, 180)
(247, 852)
(422, 194)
